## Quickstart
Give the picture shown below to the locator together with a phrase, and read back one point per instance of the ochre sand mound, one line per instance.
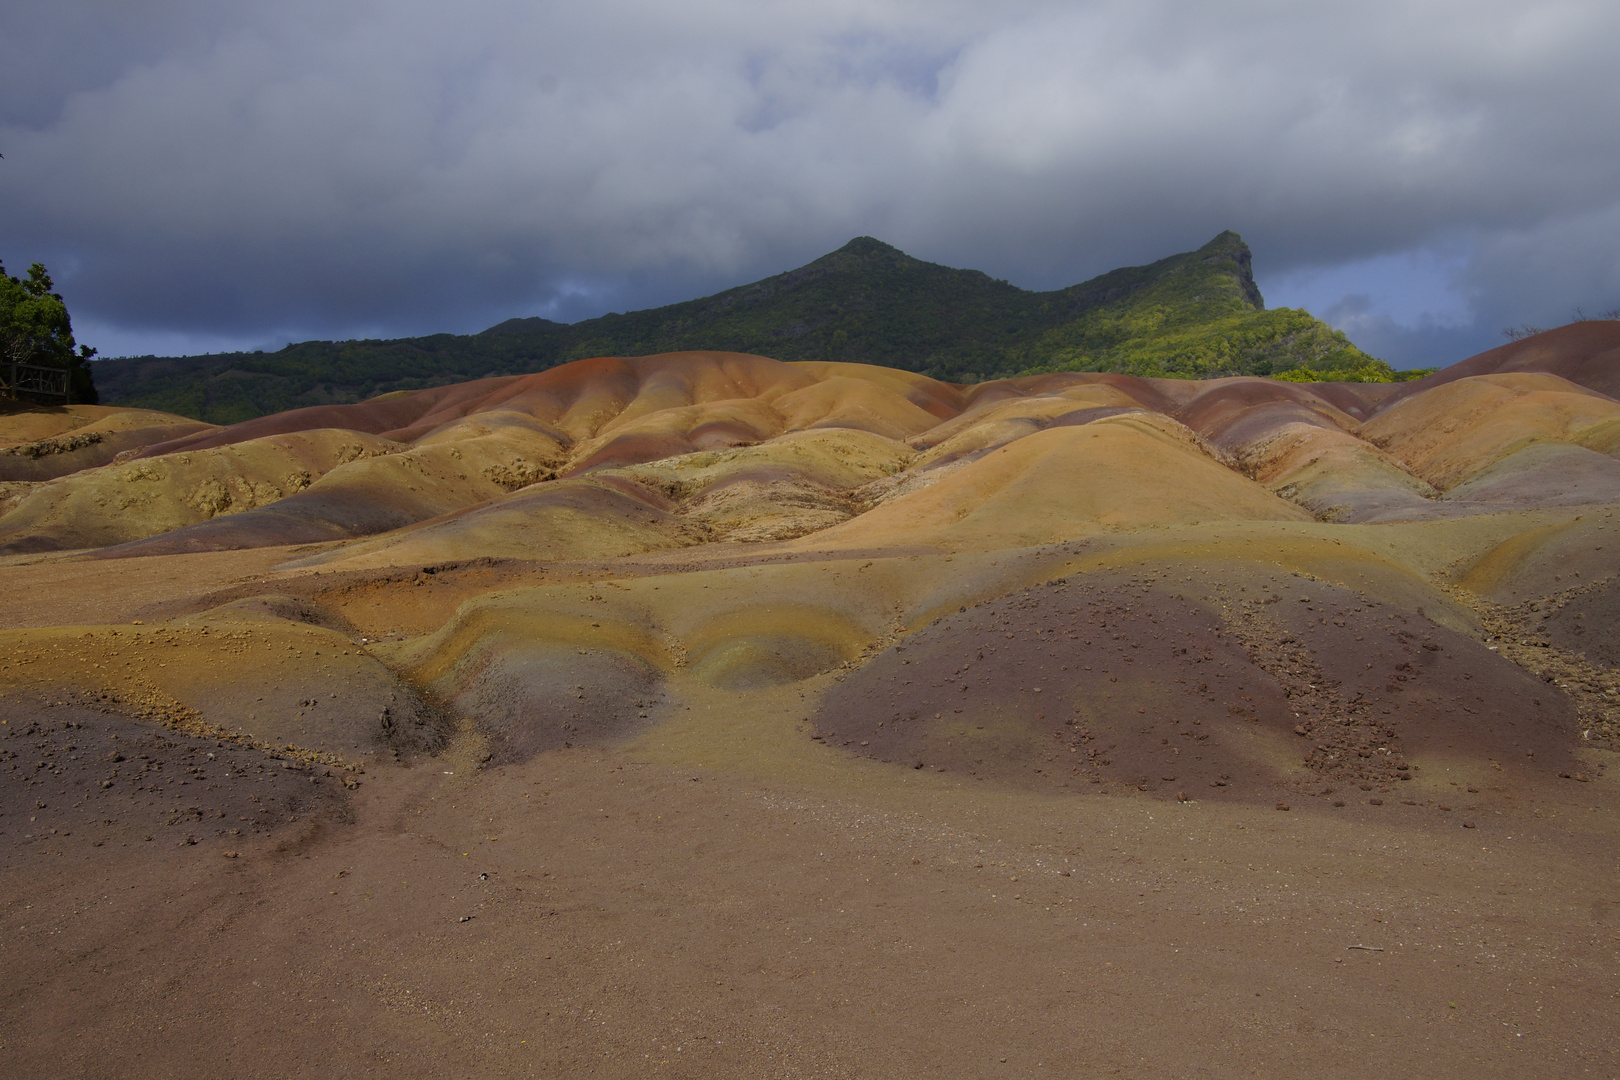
(125, 501)
(1127, 471)
(42, 444)
(710, 715)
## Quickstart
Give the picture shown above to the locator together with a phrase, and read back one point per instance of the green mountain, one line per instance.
(1194, 315)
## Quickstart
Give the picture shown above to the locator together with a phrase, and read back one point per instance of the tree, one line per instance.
(35, 329)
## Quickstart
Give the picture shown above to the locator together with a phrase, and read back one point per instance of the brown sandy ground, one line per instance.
(607, 913)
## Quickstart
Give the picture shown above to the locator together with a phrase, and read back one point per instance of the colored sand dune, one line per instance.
(754, 717)
(564, 557)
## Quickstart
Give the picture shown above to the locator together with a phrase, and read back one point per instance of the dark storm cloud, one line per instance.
(293, 169)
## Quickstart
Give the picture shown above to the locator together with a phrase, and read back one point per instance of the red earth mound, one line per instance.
(1149, 393)
(1243, 411)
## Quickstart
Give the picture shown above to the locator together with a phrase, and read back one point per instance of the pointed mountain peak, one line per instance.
(867, 245)
(1229, 247)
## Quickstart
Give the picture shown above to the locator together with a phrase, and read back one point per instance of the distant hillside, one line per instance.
(1194, 315)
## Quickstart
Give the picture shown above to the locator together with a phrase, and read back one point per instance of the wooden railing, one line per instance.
(33, 381)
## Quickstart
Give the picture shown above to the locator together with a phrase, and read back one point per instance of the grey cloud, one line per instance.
(1349, 307)
(1427, 344)
(347, 167)
(1543, 273)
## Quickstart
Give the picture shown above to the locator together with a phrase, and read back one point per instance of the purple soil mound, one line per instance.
(724, 434)
(335, 512)
(269, 526)
(1545, 474)
(612, 487)
(539, 696)
(1585, 353)
(1360, 400)
(97, 782)
(787, 475)
(608, 499)
(1232, 416)
(1077, 418)
(370, 417)
(1082, 417)
(1138, 389)
(1585, 621)
(1210, 410)
(1198, 687)
(634, 450)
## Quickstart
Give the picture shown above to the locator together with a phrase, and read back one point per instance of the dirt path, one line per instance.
(587, 915)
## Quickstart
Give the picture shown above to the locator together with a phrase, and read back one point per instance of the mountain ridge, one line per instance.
(1195, 314)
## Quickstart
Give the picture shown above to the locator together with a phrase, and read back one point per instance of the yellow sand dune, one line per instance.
(42, 444)
(842, 400)
(1123, 472)
(122, 502)
(234, 674)
(1451, 432)
(566, 519)
(19, 427)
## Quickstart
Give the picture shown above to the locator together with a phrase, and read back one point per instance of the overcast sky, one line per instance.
(201, 175)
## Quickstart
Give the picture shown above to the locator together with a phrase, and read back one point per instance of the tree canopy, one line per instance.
(35, 329)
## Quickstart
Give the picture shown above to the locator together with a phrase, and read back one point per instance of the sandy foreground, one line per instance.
(627, 912)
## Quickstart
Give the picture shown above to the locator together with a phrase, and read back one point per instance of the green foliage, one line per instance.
(35, 329)
(226, 388)
(1156, 341)
(1192, 315)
